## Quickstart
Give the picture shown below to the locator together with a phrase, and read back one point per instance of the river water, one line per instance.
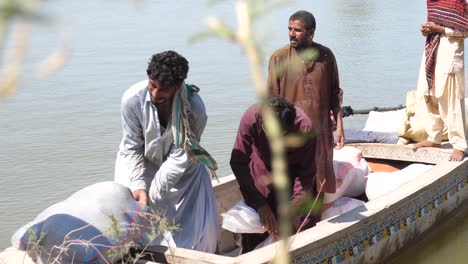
(61, 133)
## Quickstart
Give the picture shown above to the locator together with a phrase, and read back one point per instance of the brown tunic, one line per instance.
(314, 87)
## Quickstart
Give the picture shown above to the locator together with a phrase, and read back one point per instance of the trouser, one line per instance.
(450, 110)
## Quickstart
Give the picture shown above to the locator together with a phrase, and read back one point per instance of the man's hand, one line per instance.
(340, 139)
(424, 31)
(268, 219)
(141, 196)
(431, 27)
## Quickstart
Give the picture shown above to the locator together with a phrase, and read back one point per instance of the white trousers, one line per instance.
(447, 109)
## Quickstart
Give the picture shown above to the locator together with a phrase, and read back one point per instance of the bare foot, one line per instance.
(426, 144)
(457, 155)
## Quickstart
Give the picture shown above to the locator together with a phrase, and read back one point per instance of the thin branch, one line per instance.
(308, 214)
(10, 73)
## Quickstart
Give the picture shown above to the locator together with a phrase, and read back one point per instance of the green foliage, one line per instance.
(155, 225)
(310, 54)
(295, 140)
(214, 2)
(115, 233)
(259, 8)
(20, 8)
(248, 11)
(222, 31)
(158, 224)
(16, 15)
(254, 10)
(307, 205)
(34, 243)
(113, 230)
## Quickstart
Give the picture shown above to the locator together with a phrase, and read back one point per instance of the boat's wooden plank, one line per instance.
(187, 256)
(227, 195)
(403, 152)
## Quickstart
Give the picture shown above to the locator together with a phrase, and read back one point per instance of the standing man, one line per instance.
(442, 74)
(305, 73)
(251, 165)
(162, 120)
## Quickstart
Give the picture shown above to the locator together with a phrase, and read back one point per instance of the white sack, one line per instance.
(82, 225)
(242, 218)
(379, 183)
(388, 121)
(350, 170)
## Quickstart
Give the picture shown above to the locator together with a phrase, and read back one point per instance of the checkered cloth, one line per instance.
(432, 42)
(447, 13)
(182, 132)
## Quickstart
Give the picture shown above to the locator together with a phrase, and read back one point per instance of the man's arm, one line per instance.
(170, 172)
(131, 157)
(336, 102)
(431, 27)
(274, 71)
(340, 137)
(240, 160)
(455, 33)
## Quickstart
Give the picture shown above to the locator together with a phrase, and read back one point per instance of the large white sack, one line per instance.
(388, 121)
(242, 218)
(82, 224)
(340, 206)
(350, 170)
(380, 183)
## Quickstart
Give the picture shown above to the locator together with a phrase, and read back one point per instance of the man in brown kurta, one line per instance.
(306, 74)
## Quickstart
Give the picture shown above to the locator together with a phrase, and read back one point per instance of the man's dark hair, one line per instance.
(168, 67)
(305, 17)
(285, 111)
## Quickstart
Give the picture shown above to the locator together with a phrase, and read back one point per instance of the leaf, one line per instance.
(201, 36)
(214, 2)
(296, 140)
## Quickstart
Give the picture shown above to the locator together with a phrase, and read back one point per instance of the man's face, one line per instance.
(161, 94)
(299, 37)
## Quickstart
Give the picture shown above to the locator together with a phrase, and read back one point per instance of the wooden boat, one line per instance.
(371, 233)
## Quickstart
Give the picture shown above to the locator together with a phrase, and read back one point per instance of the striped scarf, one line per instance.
(182, 132)
(447, 13)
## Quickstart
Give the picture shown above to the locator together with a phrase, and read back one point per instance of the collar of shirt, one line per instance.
(147, 96)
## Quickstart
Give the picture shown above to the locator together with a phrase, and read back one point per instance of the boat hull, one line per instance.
(371, 233)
